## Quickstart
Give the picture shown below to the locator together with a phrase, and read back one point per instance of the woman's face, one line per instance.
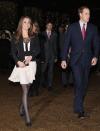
(26, 24)
(34, 28)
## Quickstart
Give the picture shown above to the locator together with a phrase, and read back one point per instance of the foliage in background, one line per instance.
(8, 15)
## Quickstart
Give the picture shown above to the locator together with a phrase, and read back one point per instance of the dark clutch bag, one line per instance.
(26, 64)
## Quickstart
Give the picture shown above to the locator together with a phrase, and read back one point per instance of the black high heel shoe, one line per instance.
(29, 124)
(22, 111)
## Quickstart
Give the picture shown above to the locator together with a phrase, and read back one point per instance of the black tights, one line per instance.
(24, 105)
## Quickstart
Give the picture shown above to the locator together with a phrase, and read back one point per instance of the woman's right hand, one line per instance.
(21, 64)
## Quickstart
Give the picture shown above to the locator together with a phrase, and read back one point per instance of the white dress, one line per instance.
(24, 75)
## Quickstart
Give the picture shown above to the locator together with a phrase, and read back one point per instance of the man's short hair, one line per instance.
(80, 10)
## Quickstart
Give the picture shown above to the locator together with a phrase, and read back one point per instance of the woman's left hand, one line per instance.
(28, 59)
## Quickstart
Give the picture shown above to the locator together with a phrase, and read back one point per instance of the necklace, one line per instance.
(26, 40)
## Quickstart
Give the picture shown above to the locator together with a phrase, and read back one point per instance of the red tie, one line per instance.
(83, 32)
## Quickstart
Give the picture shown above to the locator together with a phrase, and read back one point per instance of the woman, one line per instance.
(25, 49)
(36, 29)
(36, 84)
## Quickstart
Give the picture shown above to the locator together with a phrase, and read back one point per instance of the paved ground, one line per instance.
(49, 111)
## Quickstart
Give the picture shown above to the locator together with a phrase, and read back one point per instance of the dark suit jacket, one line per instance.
(61, 42)
(17, 49)
(79, 47)
(50, 46)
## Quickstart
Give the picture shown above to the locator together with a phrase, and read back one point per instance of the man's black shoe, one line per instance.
(82, 115)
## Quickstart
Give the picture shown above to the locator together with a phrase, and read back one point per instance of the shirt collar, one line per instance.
(48, 31)
(81, 24)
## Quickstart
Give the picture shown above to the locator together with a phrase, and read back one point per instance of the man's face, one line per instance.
(85, 15)
(49, 26)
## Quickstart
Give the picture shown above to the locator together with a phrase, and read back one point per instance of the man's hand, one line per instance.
(55, 60)
(94, 61)
(64, 64)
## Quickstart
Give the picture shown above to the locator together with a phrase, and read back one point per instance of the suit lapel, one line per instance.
(79, 30)
(31, 42)
(21, 46)
(45, 33)
(50, 35)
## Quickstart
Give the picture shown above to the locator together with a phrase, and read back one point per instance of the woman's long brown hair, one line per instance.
(18, 33)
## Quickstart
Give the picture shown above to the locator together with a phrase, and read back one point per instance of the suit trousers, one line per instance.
(81, 74)
(47, 73)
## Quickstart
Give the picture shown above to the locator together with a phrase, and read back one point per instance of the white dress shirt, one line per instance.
(25, 46)
(48, 33)
(82, 23)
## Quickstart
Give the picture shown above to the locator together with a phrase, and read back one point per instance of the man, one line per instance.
(50, 55)
(5, 46)
(82, 37)
(66, 74)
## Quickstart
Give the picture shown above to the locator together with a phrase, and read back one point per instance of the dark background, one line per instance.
(59, 11)
(41, 10)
